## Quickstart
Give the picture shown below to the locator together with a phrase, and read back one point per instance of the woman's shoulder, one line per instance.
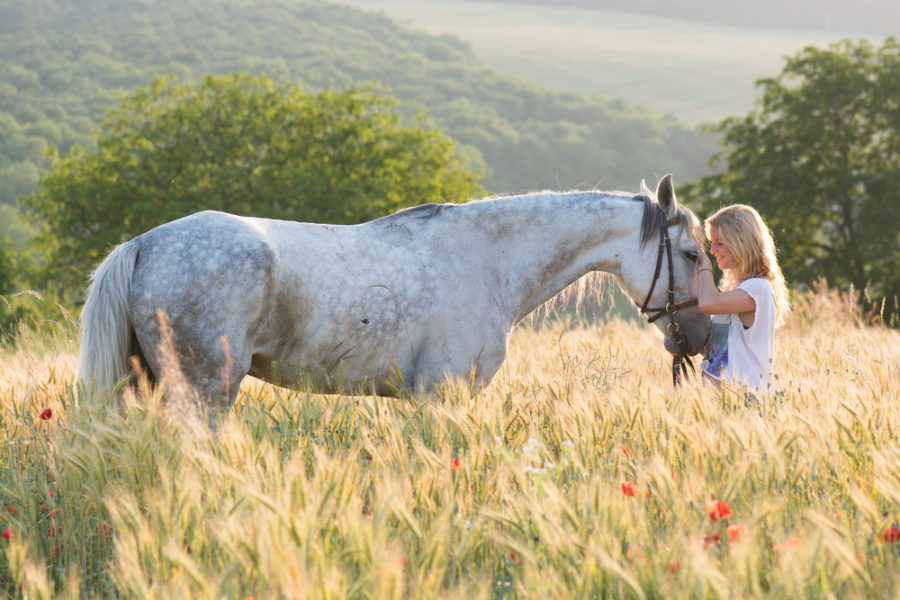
(758, 287)
(756, 283)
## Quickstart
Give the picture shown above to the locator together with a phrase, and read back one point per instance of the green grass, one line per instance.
(699, 73)
(513, 492)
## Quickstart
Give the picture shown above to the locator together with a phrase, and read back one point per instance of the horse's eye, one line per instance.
(690, 255)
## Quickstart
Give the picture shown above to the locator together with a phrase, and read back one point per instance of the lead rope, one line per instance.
(679, 370)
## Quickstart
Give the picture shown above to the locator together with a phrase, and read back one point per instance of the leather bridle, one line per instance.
(672, 328)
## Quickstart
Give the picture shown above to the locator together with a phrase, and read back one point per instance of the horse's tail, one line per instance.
(106, 327)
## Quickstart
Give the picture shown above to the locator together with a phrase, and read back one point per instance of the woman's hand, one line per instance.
(703, 262)
(713, 302)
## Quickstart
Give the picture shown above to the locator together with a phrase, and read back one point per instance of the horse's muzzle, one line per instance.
(689, 333)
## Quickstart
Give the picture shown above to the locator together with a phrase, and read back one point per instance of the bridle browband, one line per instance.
(678, 361)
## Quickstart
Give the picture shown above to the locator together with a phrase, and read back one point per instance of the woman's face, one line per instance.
(723, 254)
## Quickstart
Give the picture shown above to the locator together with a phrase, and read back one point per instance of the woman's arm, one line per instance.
(713, 302)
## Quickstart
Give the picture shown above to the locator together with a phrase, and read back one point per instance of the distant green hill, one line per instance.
(64, 62)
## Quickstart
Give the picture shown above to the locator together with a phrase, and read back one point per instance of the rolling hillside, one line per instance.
(64, 62)
(664, 60)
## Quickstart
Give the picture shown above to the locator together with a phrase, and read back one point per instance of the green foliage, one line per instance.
(820, 158)
(241, 144)
(16, 305)
(65, 62)
(7, 269)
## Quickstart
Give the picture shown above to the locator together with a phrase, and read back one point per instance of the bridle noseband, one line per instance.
(678, 361)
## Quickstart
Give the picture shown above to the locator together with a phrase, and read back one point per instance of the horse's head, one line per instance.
(660, 279)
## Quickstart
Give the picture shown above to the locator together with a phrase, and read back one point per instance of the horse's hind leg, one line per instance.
(216, 374)
(206, 370)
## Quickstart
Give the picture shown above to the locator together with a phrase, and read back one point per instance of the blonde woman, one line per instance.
(753, 300)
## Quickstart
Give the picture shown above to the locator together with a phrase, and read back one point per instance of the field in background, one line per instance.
(578, 473)
(697, 72)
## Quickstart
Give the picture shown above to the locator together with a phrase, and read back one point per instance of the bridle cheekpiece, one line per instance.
(671, 308)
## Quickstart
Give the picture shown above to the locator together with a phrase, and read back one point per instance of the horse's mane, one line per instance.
(422, 211)
(654, 218)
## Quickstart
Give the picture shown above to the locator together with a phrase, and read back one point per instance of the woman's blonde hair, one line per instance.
(750, 241)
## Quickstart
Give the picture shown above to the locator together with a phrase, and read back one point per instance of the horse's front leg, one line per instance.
(471, 360)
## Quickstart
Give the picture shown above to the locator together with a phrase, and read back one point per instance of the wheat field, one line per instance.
(578, 473)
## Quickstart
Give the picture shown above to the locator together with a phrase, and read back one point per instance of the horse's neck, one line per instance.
(542, 243)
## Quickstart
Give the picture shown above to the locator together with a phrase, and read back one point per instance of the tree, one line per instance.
(819, 157)
(241, 144)
(15, 305)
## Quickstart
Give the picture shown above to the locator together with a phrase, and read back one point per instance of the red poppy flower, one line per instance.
(46, 414)
(711, 540)
(53, 531)
(7, 534)
(630, 488)
(404, 561)
(454, 464)
(736, 532)
(718, 510)
(636, 554)
(12, 509)
(891, 535)
(787, 545)
(674, 566)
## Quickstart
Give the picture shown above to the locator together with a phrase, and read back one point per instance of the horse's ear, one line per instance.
(645, 191)
(665, 195)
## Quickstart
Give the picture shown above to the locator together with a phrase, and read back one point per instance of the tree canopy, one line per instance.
(819, 157)
(241, 144)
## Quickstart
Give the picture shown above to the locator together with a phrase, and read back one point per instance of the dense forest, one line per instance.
(870, 16)
(65, 62)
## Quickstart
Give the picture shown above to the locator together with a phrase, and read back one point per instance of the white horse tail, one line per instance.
(106, 327)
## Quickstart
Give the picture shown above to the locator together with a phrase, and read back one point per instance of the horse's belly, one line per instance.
(342, 360)
(341, 327)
